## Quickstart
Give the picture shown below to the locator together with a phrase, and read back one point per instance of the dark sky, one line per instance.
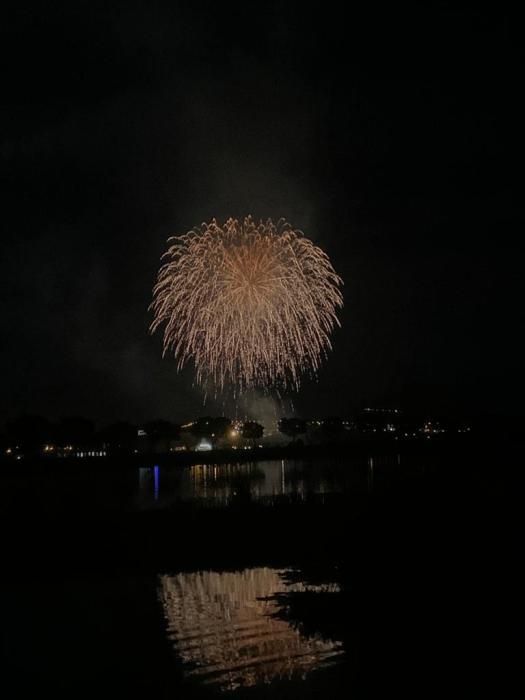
(394, 140)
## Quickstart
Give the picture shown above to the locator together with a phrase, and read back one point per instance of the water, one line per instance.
(85, 489)
(272, 579)
(226, 628)
(261, 482)
(244, 628)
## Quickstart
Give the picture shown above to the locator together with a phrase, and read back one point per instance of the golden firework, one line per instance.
(251, 304)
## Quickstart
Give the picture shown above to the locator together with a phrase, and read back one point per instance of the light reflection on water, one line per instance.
(257, 481)
(225, 630)
(219, 482)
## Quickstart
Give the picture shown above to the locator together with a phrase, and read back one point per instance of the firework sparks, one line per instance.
(251, 304)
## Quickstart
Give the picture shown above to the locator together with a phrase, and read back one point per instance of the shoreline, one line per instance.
(335, 451)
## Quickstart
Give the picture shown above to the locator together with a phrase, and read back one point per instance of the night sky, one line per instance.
(394, 141)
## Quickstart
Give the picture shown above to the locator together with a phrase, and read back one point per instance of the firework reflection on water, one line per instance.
(225, 630)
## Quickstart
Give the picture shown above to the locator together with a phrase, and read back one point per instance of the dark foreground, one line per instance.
(421, 553)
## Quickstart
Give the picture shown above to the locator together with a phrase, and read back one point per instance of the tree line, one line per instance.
(30, 432)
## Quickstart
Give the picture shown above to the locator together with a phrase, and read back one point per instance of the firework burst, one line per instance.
(251, 304)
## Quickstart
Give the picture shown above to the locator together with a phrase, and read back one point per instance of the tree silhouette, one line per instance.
(332, 428)
(119, 437)
(76, 430)
(162, 428)
(159, 435)
(292, 427)
(30, 432)
(251, 430)
(211, 428)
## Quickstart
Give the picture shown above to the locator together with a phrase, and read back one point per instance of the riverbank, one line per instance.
(130, 460)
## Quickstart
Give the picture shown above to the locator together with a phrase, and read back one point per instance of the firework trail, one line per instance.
(251, 304)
